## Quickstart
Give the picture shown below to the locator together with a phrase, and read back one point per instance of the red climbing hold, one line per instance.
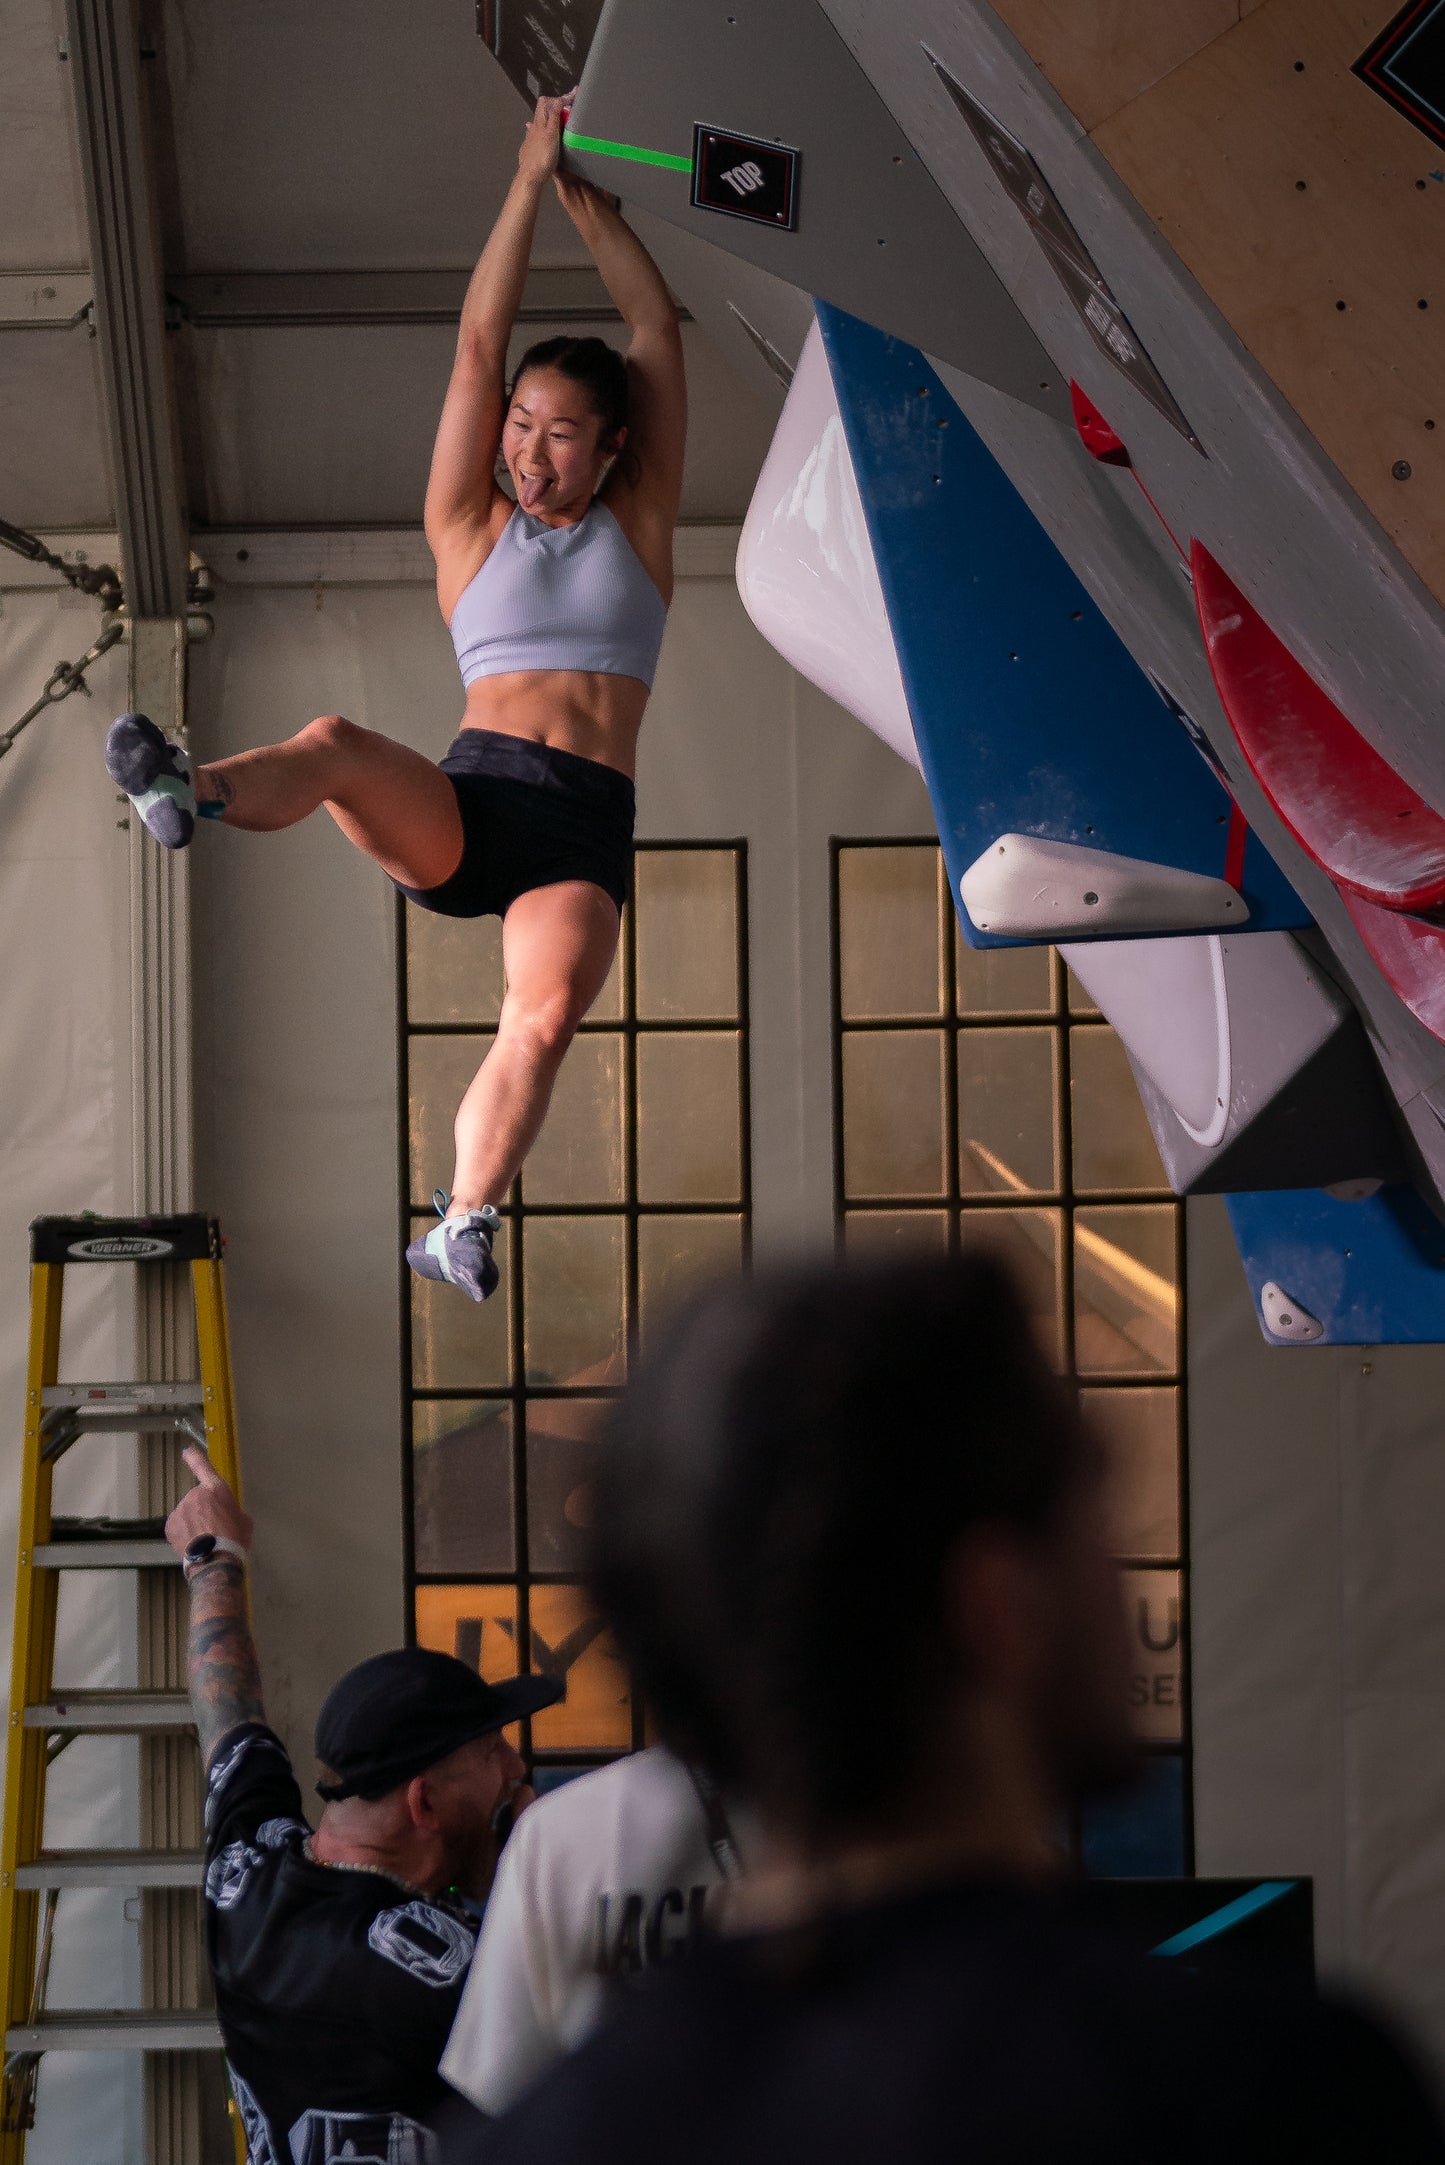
(1099, 440)
(1409, 954)
(1341, 800)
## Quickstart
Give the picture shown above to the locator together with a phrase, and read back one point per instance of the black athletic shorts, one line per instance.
(531, 815)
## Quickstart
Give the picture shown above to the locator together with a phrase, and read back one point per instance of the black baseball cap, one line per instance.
(397, 1714)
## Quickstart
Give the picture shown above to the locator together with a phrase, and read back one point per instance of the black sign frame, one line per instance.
(1378, 66)
(777, 167)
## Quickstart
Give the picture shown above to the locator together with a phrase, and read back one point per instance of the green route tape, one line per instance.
(601, 148)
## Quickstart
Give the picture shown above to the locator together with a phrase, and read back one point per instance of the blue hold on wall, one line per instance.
(1370, 1273)
(1030, 713)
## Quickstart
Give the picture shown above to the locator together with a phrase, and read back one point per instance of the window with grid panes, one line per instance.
(983, 1102)
(637, 1188)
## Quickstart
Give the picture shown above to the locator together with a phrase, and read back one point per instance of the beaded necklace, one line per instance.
(377, 1871)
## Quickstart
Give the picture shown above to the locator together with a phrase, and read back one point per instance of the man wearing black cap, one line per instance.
(339, 1956)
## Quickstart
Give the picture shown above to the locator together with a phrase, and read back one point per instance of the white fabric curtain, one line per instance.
(64, 1069)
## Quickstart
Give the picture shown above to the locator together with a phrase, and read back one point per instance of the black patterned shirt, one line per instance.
(335, 1989)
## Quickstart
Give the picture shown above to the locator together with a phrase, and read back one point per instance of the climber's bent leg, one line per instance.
(392, 802)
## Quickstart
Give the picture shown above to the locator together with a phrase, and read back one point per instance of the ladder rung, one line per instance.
(119, 2029)
(115, 1554)
(114, 1712)
(107, 1396)
(114, 1868)
(80, 1421)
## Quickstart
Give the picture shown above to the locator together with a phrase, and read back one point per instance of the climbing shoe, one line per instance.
(459, 1250)
(155, 775)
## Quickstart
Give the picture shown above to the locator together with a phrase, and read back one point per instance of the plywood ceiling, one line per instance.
(1099, 54)
(1307, 209)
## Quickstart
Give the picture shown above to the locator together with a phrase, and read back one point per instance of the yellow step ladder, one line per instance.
(42, 1719)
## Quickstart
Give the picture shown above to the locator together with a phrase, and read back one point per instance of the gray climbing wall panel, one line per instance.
(1264, 499)
(870, 228)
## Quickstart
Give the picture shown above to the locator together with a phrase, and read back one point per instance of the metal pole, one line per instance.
(140, 412)
(130, 317)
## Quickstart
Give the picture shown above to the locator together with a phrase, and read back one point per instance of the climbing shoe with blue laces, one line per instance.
(155, 775)
(459, 1250)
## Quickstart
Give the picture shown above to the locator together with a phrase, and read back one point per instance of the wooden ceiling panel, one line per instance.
(1306, 209)
(1100, 54)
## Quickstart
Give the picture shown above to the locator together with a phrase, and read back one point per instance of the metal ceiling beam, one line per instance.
(271, 300)
(81, 546)
(398, 555)
(330, 555)
(103, 41)
(44, 300)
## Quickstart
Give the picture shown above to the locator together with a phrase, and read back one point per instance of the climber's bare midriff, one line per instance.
(574, 710)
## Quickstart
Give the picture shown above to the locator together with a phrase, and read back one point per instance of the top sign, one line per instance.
(744, 178)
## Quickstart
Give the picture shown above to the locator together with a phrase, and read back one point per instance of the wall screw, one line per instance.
(1401, 469)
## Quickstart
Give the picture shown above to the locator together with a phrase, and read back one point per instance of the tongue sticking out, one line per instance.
(531, 491)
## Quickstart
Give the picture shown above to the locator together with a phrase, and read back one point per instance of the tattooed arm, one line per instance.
(222, 1670)
(221, 1660)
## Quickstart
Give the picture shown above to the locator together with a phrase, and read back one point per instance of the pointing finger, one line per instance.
(200, 1465)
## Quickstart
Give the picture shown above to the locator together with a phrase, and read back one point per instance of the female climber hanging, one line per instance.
(556, 608)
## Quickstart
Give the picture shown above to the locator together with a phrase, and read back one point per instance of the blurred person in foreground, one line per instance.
(850, 1537)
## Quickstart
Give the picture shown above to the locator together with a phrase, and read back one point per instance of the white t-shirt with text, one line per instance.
(609, 1874)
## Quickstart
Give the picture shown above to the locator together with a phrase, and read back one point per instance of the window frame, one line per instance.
(1061, 1019)
(519, 1392)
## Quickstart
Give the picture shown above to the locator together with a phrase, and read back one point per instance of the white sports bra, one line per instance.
(560, 597)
